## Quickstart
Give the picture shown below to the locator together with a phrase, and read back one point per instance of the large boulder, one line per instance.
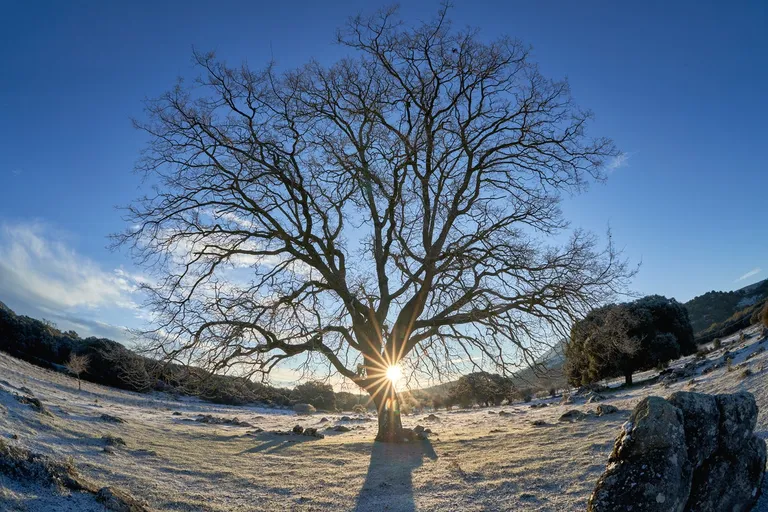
(691, 452)
(729, 481)
(738, 416)
(701, 417)
(648, 470)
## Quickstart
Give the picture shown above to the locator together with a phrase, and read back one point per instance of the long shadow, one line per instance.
(389, 482)
(273, 443)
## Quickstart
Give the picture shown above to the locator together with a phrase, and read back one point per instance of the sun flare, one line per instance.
(394, 373)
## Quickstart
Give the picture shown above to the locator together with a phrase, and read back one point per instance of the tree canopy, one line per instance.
(618, 340)
(406, 196)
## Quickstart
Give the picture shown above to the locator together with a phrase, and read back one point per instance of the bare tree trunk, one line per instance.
(628, 378)
(388, 408)
(79, 388)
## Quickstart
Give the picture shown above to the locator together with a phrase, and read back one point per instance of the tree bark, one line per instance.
(388, 408)
(628, 378)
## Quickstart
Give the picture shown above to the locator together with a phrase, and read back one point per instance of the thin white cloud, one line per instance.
(749, 274)
(619, 161)
(44, 275)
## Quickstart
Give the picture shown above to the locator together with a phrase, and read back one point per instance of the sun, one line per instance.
(394, 373)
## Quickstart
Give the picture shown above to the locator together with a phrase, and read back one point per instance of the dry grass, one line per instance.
(476, 461)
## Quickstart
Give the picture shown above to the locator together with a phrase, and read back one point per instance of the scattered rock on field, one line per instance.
(572, 415)
(604, 409)
(304, 409)
(215, 420)
(34, 402)
(111, 419)
(111, 440)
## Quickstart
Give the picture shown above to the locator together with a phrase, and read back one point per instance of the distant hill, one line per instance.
(717, 307)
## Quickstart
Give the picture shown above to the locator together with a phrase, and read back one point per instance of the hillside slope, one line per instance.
(715, 307)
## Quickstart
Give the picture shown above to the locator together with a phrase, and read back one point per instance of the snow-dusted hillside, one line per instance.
(477, 460)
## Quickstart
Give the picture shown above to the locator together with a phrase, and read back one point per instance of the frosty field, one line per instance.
(477, 459)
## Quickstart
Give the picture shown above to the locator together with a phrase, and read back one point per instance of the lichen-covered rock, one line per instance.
(572, 415)
(701, 418)
(730, 481)
(738, 416)
(604, 409)
(648, 470)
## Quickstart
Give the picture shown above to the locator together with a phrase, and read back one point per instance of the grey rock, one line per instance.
(730, 482)
(648, 470)
(341, 428)
(298, 429)
(110, 440)
(604, 409)
(701, 417)
(111, 419)
(572, 415)
(304, 409)
(738, 416)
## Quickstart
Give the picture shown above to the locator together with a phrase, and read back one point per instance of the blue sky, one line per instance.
(680, 86)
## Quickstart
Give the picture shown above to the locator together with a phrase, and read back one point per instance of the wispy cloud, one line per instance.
(16, 172)
(41, 274)
(749, 274)
(617, 162)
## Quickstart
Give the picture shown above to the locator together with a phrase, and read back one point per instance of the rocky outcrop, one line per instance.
(689, 453)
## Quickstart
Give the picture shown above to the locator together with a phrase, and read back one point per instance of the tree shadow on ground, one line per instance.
(389, 482)
(271, 442)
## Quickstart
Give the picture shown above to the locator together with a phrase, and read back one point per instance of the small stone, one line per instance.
(604, 409)
(111, 419)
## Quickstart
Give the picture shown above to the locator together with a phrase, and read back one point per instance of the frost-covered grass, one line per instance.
(475, 461)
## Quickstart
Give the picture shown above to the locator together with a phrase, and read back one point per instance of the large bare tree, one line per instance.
(399, 206)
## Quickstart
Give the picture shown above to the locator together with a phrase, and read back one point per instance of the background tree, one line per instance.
(393, 208)
(619, 340)
(77, 365)
(318, 394)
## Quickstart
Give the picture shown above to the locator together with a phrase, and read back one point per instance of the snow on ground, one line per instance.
(477, 460)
